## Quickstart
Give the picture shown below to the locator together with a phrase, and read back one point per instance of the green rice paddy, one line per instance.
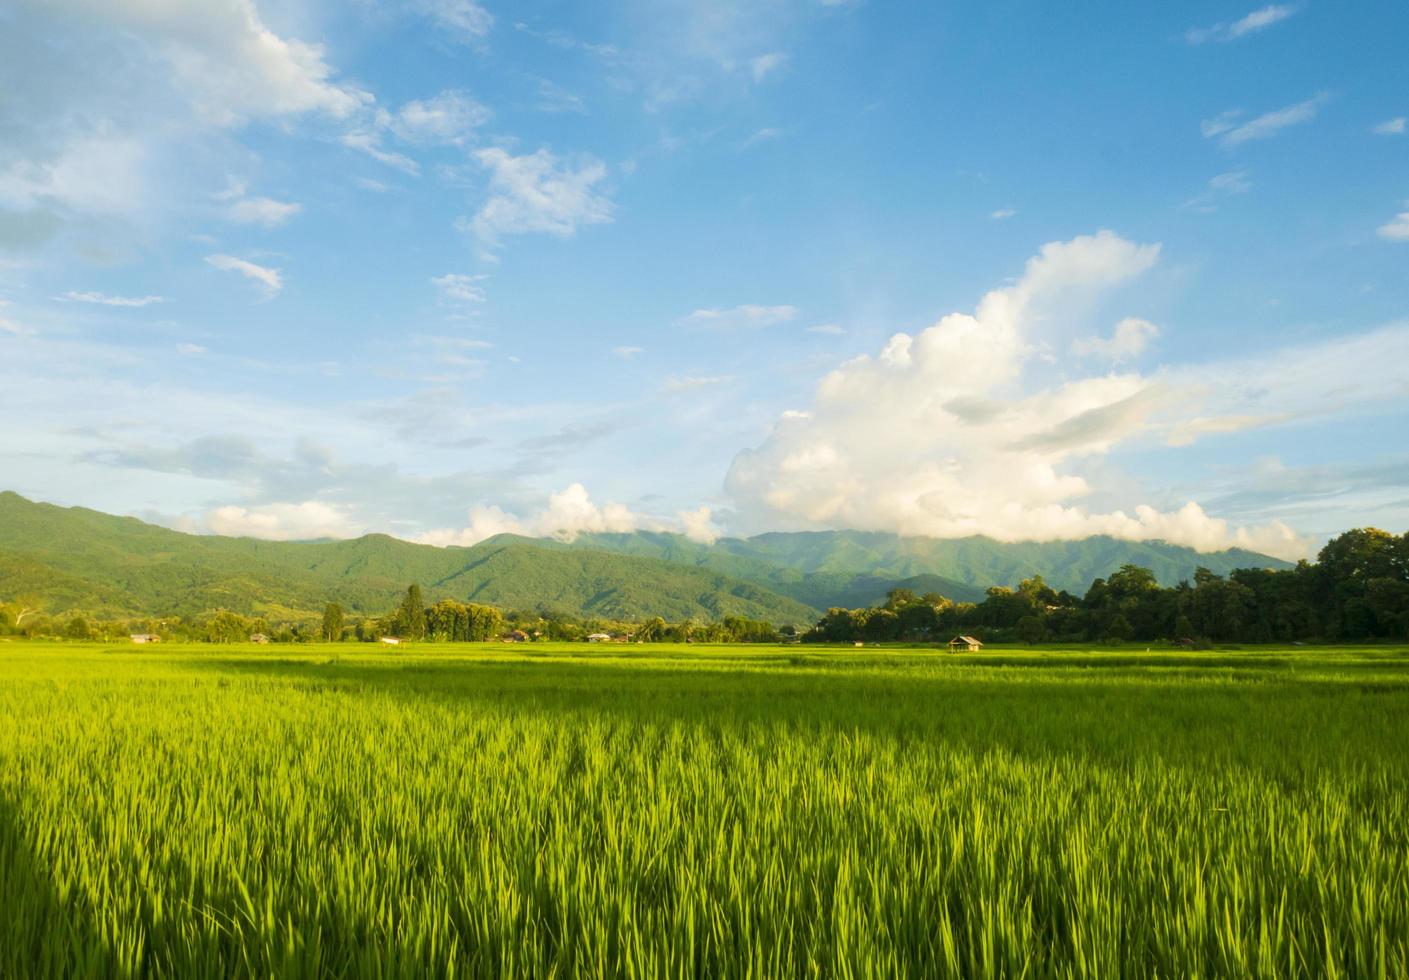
(489, 811)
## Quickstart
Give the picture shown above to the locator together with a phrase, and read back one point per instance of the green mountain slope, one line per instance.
(78, 559)
(75, 558)
(806, 564)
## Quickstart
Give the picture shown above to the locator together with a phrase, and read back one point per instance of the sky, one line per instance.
(446, 268)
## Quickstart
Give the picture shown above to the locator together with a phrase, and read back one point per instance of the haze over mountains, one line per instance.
(84, 560)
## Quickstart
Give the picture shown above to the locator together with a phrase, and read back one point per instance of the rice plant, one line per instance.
(702, 812)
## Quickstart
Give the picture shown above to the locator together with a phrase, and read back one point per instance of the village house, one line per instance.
(145, 638)
(599, 638)
(259, 638)
(391, 641)
(967, 643)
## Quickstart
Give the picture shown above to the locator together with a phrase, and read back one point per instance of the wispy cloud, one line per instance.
(1397, 228)
(103, 299)
(538, 192)
(1392, 127)
(747, 315)
(269, 279)
(765, 64)
(1230, 132)
(764, 135)
(628, 352)
(460, 288)
(1002, 214)
(690, 382)
(829, 329)
(463, 20)
(1220, 186)
(552, 97)
(1252, 23)
(262, 211)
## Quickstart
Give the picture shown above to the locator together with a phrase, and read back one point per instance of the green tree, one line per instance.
(1030, 630)
(1118, 630)
(332, 622)
(410, 619)
(78, 629)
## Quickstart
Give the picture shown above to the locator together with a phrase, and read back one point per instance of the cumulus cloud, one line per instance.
(226, 60)
(283, 521)
(269, 279)
(965, 428)
(747, 315)
(1252, 23)
(103, 299)
(698, 525)
(569, 512)
(538, 192)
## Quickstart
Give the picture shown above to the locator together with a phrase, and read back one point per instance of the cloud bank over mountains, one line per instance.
(969, 427)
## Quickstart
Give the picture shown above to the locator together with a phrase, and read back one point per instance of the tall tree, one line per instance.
(411, 616)
(332, 622)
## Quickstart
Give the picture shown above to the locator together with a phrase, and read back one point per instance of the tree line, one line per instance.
(1356, 590)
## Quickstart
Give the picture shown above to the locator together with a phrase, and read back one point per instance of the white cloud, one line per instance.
(101, 174)
(765, 64)
(829, 329)
(964, 429)
(262, 211)
(767, 134)
(1002, 213)
(552, 97)
(628, 352)
(283, 521)
(449, 118)
(465, 20)
(190, 350)
(1130, 338)
(698, 525)
(690, 382)
(1232, 133)
(1392, 127)
(370, 143)
(538, 192)
(569, 512)
(14, 328)
(460, 288)
(746, 315)
(1258, 20)
(1220, 186)
(229, 64)
(269, 279)
(1396, 229)
(102, 299)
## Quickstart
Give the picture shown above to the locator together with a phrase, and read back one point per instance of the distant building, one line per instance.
(391, 641)
(145, 638)
(599, 638)
(259, 638)
(516, 636)
(965, 643)
(858, 643)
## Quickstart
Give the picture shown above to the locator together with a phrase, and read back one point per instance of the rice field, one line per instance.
(485, 811)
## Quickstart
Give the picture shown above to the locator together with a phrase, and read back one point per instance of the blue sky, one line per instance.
(443, 268)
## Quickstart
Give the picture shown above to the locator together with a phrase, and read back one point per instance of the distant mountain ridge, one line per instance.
(80, 559)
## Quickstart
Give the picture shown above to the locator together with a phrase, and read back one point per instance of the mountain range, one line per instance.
(75, 559)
